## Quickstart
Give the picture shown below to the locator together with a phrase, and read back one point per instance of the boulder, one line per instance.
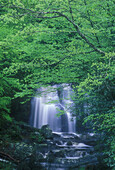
(46, 132)
(53, 154)
(58, 142)
(69, 143)
(59, 153)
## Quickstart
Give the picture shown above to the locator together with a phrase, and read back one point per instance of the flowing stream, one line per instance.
(50, 102)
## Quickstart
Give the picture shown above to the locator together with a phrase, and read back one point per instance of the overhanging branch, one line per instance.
(59, 14)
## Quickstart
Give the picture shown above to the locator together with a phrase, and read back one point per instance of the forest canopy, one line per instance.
(51, 42)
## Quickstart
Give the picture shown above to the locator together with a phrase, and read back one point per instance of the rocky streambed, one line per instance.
(68, 151)
(46, 150)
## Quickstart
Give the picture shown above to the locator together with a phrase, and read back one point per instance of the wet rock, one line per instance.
(69, 143)
(50, 157)
(73, 153)
(77, 138)
(46, 132)
(50, 142)
(59, 153)
(56, 137)
(58, 142)
(89, 139)
(84, 153)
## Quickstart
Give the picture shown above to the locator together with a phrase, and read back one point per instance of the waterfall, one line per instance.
(46, 106)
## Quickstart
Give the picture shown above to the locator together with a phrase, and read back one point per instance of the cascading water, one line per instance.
(44, 108)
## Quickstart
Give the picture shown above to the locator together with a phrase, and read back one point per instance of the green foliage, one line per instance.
(36, 137)
(7, 117)
(6, 166)
(97, 90)
(60, 112)
(49, 42)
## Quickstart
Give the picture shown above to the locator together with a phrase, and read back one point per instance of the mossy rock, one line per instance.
(46, 132)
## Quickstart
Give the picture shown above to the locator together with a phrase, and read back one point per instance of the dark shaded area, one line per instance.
(21, 112)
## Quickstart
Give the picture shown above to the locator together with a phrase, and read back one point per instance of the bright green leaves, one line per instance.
(97, 91)
(60, 112)
(5, 103)
(52, 45)
(46, 42)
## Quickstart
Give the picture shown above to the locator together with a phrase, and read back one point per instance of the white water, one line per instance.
(44, 109)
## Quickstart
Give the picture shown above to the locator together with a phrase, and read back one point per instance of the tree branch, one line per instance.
(8, 157)
(70, 10)
(72, 22)
(82, 35)
(91, 22)
(49, 17)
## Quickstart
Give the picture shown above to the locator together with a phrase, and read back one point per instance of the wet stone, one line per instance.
(69, 143)
(46, 132)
